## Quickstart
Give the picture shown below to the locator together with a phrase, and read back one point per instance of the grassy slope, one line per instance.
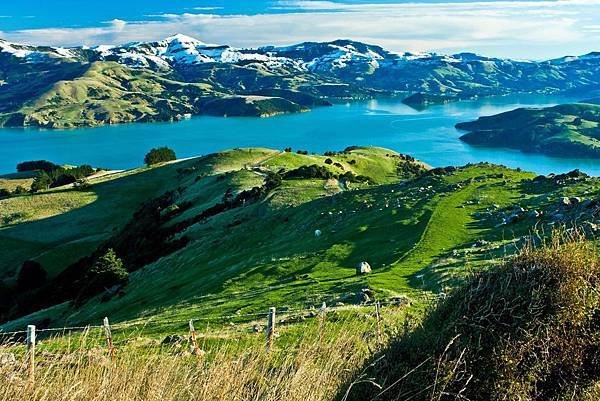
(564, 130)
(111, 93)
(264, 254)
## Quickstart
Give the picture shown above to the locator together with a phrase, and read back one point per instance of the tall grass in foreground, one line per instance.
(528, 330)
(303, 366)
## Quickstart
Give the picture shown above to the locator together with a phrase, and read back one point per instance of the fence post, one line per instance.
(109, 341)
(378, 316)
(31, 351)
(193, 339)
(322, 317)
(270, 328)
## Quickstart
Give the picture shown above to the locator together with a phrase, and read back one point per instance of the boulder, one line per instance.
(565, 201)
(173, 339)
(363, 268)
(369, 292)
(318, 233)
(362, 298)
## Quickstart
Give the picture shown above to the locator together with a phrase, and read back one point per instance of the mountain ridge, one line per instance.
(328, 71)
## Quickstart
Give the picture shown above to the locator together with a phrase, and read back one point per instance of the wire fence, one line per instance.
(104, 343)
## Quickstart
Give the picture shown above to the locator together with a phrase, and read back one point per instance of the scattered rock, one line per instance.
(318, 233)
(362, 298)
(479, 243)
(400, 301)
(173, 339)
(7, 359)
(565, 201)
(363, 268)
(368, 291)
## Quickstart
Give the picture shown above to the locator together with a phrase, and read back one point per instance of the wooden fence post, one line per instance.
(270, 328)
(31, 351)
(193, 339)
(109, 341)
(322, 317)
(378, 316)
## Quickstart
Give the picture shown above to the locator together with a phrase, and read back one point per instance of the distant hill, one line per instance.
(570, 130)
(420, 101)
(165, 80)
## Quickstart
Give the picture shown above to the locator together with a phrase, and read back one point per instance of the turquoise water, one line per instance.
(427, 135)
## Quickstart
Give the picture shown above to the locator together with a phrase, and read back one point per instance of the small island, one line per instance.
(568, 130)
(420, 101)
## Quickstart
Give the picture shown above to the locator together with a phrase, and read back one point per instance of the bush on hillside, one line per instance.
(4, 193)
(33, 165)
(528, 330)
(309, 172)
(19, 190)
(107, 271)
(61, 176)
(41, 182)
(31, 276)
(159, 155)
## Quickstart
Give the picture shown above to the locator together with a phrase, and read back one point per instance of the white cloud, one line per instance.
(520, 29)
(118, 25)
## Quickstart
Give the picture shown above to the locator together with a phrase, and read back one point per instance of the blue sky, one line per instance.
(526, 29)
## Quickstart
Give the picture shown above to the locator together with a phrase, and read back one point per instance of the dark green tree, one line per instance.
(159, 155)
(107, 271)
(31, 276)
(41, 182)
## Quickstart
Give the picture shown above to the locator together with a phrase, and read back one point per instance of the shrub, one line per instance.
(32, 275)
(288, 149)
(312, 171)
(527, 330)
(19, 190)
(328, 161)
(41, 182)
(302, 152)
(159, 155)
(4, 193)
(33, 165)
(108, 270)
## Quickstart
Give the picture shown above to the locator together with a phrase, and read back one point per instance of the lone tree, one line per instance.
(159, 155)
(32, 275)
(107, 271)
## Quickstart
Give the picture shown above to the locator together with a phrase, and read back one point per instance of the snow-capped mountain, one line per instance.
(179, 50)
(181, 75)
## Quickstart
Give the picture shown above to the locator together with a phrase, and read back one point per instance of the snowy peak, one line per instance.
(345, 58)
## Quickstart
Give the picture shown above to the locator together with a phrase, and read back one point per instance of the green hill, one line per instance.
(569, 130)
(111, 93)
(234, 232)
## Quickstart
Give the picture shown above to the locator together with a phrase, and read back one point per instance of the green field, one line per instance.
(420, 231)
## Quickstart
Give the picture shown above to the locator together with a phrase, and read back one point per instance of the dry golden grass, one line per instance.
(306, 368)
(528, 330)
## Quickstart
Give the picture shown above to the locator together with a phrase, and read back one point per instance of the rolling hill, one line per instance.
(570, 130)
(236, 232)
(179, 76)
